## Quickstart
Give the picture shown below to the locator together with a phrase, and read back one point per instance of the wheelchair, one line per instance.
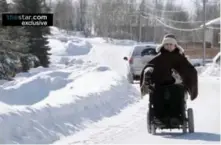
(168, 109)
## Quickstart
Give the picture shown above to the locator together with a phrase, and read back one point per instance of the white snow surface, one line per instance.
(67, 45)
(129, 127)
(84, 97)
(212, 69)
(46, 103)
(56, 103)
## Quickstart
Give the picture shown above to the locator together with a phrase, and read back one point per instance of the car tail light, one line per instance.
(131, 60)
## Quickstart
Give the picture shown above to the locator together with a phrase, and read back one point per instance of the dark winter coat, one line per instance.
(163, 64)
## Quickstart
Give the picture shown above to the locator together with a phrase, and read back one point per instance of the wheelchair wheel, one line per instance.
(153, 129)
(149, 118)
(184, 127)
(190, 120)
(148, 122)
(185, 121)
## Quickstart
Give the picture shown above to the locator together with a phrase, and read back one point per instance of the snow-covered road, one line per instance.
(129, 127)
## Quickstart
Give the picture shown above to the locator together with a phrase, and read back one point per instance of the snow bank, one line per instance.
(67, 50)
(29, 88)
(126, 42)
(70, 48)
(216, 59)
(67, 99)
(44, 104)
(96, 40)
(199, 62)
(77, 48)
(212, 70)
(122, 42)
(64, 44)
(62, 32)
(56, 46)
(33, 89)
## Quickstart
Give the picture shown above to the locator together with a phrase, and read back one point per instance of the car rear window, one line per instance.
(139, 49)
(148, 51)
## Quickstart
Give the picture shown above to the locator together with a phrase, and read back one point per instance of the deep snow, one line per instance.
(46, 103)
(129, 127)
(84, 97)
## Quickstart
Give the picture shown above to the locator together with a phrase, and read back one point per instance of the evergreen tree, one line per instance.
(38, 42)
(3, 8)
(12, 38)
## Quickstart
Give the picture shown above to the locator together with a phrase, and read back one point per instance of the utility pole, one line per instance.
(140, 26)
(141, 9)
(154, 27)
(204, 31)
(131, 18)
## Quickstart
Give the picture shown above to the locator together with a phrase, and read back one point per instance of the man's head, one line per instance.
(169, 42)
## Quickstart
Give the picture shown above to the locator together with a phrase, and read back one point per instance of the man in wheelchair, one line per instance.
(167, 78)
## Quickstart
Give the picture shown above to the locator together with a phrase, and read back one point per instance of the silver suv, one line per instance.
(139, 57)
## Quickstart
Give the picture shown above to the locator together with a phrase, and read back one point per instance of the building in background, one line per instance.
(213, 32)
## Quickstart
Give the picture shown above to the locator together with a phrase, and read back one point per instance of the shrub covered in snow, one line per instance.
(12, 63)
(77, 48)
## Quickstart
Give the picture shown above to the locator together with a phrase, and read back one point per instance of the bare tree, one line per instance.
(64, 14)
(122, 18)
(82, 16)
(113, 18)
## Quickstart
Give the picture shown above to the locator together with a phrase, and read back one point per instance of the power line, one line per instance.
(179, 29)
(172, 20)
(164, 11)
(151, 16)
(167, 19)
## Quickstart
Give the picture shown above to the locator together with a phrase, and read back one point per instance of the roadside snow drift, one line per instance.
(65, 45)
(60, 103)
(70, 48)
(130, 126)
(47, 103)
(213, 69)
